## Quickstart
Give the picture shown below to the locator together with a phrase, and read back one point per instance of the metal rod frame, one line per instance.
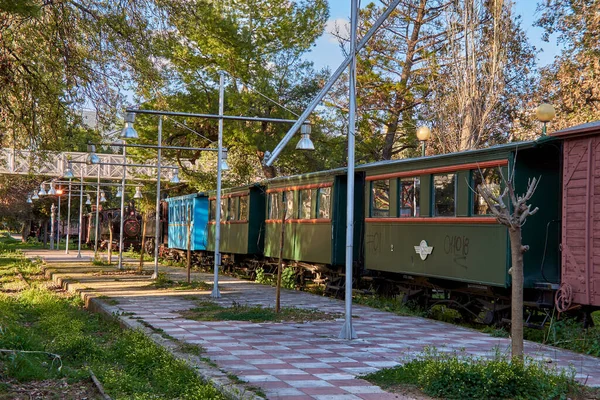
(68, 220)
(97, 216)
(215, 292)
(348, 331)
(122, 217)
(80, 216)
(151, 146)
(209, 116)
(329, 84)
(157, 219)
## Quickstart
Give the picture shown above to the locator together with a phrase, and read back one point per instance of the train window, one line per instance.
(213, 210)
(489, 177)
(324, 202)
(380, 198)
(444, 194)
(224, 204)
(233, 209)
(409, 196)
(289, 204)
(306, 204)
(244, 208)
(275, 205)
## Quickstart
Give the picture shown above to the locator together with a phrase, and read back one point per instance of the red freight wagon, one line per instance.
(581, 213)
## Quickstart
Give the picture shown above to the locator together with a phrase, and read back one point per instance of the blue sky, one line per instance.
(327, 52)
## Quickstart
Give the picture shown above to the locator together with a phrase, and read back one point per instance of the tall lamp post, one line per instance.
(545, 113)
(423, 134)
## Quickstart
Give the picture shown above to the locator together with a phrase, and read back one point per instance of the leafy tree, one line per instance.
(484, 77)
(572, 82)
(56, 56)
(392, 75)
(259, 44)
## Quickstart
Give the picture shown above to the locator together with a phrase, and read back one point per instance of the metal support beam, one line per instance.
(157, 219)
(329, 84)
(68, 220)
(209, 116)
(150, 146)
(347, 329)
(120, 266)
(215, 292)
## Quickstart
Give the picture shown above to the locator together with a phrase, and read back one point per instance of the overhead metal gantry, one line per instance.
(54, 164)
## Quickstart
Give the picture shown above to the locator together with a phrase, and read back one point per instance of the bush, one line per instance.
(460, 377)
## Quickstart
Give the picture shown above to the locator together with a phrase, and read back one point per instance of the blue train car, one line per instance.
(180, 207)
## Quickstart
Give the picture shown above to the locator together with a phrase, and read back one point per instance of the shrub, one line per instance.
(460, 377)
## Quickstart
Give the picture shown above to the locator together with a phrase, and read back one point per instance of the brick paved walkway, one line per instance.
(305, 360)
(308, 361)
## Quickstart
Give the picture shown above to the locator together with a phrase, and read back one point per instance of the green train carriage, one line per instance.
(315, 220)
(429, 232)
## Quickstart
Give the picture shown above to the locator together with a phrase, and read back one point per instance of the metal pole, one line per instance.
(315, 102)
(422, 148)
(58, 226)
(120, 266)
(68, 219)
(80, 215)
(347, 330)
(97, 214)
(215, 292)
(52, 219)
(157, 219)
(209, 116)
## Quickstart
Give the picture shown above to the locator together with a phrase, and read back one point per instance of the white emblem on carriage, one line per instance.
(423, 250)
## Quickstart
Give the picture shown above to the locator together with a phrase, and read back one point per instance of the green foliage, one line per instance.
(456, 377)
(288, 278)
(261, 277)
(128, 363)
(568, 333)
(391, 304)
(164, 282)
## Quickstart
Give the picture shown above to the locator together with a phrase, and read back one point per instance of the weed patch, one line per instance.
(35, 321)
(164, 282)
(455, 377)
(209, 311)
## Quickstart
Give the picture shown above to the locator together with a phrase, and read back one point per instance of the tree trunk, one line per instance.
(189, 245)
(280, 264)
(45, 223)
(110, 240)
(25, 230)
(516, 327)
(143, 248)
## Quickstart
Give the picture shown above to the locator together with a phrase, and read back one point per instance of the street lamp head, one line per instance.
(89, 200)
(35, 196)
(545, 112)
(52, 190)
(119, 193)
(42, 191)
(102, 197)
(29, 201)
(175, 177)
(128, 132)
(69, 171)
(305, 143)
(423, 133)
(92, 158)
(224, 165)
(138, 192)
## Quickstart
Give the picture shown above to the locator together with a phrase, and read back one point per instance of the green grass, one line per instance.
(569, 334)
(164, 282)
(8, 244)
(394, 305)
(129, 364)
(209, 311)
(452, 376)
